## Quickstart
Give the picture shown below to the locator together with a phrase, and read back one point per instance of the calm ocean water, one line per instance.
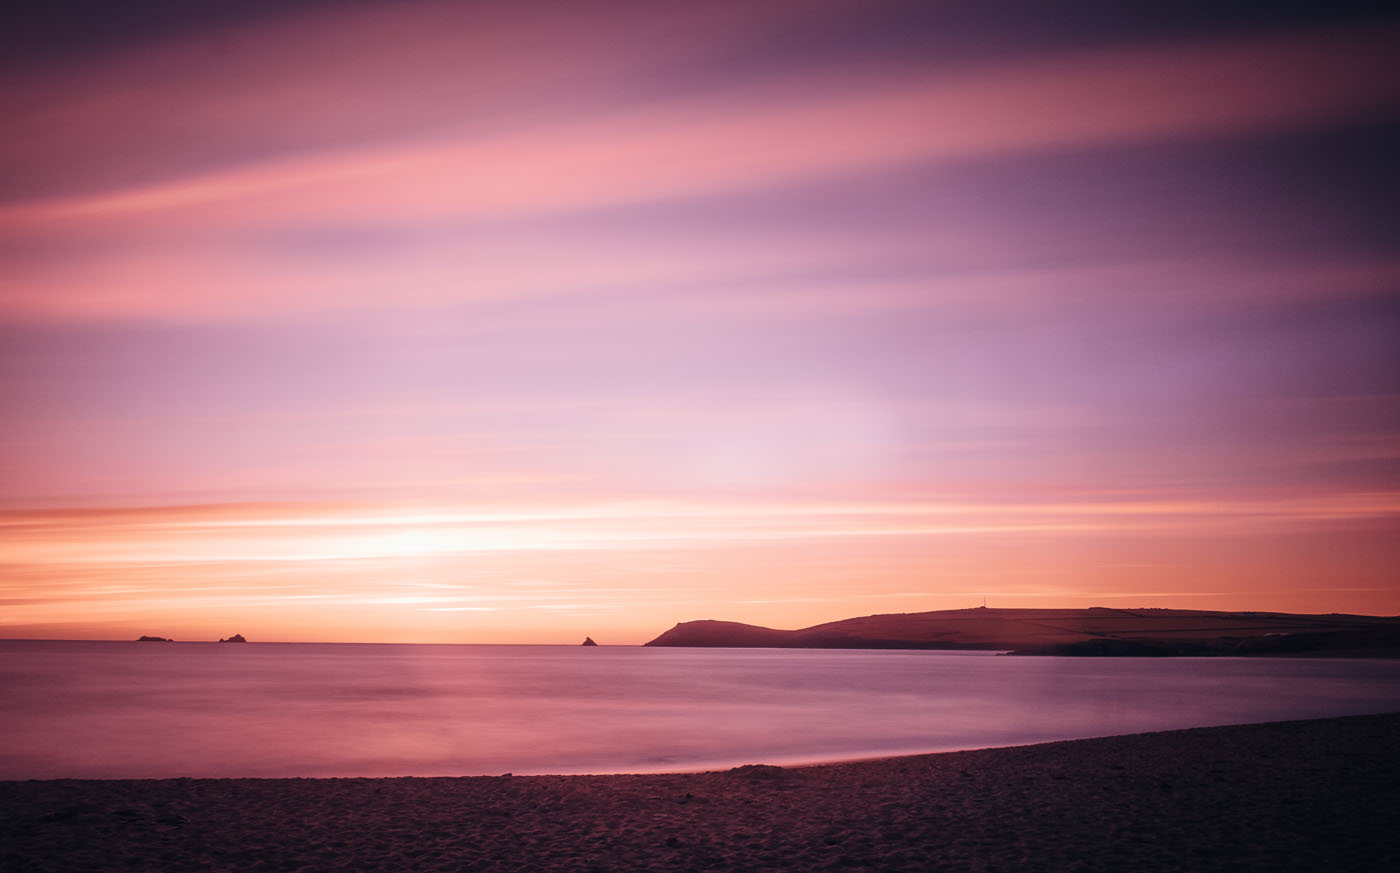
(126, 710)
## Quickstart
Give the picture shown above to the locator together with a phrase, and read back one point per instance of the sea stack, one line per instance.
(588, 641)
(146, 639)
(236, 638)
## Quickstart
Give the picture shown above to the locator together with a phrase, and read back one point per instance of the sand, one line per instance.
(1316, 795)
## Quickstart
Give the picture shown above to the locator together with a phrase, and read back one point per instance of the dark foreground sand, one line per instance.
(1315, 795)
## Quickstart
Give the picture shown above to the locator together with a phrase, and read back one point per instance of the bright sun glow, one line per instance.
(520, 323)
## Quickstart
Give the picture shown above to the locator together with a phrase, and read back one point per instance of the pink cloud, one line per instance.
(167, 249)
(809, 329)
(787, 132)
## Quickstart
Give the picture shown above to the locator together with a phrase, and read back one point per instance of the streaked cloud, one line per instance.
(510, 315)
(774, 136)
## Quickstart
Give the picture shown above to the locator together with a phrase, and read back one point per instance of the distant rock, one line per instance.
(758, 771)
(588, 641)
(145, 639)
(236, 638)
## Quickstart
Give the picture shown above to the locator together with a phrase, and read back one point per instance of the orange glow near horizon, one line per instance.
(627, 570)
(434, 322)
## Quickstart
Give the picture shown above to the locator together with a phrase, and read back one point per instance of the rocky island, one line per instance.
(236, 638)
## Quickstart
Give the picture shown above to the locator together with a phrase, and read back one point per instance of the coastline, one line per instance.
(1302, 795)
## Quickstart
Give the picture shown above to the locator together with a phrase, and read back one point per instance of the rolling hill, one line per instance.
(1092, 631)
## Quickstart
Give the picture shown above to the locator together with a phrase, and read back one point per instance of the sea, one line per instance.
(110, 710)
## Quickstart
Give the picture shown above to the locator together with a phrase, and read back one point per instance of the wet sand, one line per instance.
(1311, 795)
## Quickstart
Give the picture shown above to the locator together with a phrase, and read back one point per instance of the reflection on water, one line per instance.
(126, 710)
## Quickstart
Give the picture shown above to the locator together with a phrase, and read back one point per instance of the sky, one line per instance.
(520, 322)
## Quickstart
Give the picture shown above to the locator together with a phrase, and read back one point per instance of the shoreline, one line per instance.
(1299, 795)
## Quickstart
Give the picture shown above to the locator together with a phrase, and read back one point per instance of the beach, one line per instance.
(1303, 795)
